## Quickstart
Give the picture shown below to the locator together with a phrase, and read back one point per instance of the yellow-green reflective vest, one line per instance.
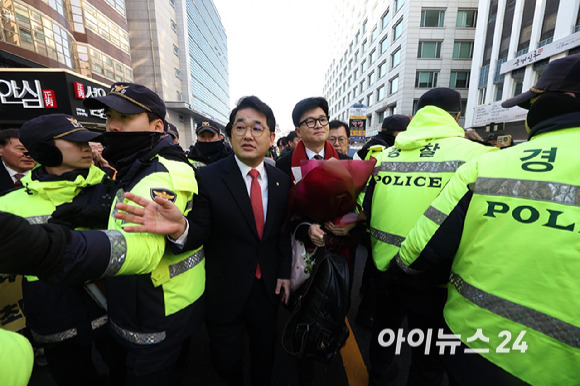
(16, 359)
(516, 268)
(411, 174)
(181, 276)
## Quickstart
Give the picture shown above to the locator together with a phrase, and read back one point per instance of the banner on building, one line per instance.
(357, 122)
(545, 52)
(29, 93)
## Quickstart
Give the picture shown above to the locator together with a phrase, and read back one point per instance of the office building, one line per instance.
(515, 41)
(389, 52)
(179, 49)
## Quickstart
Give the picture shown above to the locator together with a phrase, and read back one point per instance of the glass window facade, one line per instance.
(207, 49)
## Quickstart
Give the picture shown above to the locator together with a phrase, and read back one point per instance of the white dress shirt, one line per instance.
(262, 179)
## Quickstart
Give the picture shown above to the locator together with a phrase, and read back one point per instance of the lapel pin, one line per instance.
(277, 184)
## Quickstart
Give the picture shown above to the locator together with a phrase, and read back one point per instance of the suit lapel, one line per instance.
(233, 179)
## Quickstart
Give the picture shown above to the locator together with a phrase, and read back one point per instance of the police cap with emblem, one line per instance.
(207, 125)
(129, 98)
(37, 135)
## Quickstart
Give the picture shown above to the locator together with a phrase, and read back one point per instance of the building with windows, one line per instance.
(87, 37)
(515, 40)
(179, 49)
(389, 52)
(176, 47)
(55, 53)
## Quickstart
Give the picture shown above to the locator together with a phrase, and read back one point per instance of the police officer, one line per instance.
(65, 320)
(154, 312)
(507, 225)
(210, 146)
(407, 177)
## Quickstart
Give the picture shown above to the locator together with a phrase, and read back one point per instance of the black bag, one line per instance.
(317, 328)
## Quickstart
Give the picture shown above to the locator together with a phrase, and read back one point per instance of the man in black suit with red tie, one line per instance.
(14, 162)
(238, 216)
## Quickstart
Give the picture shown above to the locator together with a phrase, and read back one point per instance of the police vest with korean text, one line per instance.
(144, 307)
(409, 175)
(517, 280)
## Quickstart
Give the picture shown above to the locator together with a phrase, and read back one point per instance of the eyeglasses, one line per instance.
(256, 130)
(341, 140)
(311, 122)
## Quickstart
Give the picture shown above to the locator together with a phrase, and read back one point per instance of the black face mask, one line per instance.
(128, 145)
(550, 105)
(209, 148)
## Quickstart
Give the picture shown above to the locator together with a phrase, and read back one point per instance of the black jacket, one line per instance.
(223, 221)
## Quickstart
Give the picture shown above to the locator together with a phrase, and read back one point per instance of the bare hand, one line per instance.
(338, 230)
(160, 216)
(316, 235)
(283, 289)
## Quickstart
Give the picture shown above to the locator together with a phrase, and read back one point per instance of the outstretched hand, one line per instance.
(160, 216)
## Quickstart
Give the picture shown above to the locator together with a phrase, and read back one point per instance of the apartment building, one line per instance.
(389, 52)
(515, 40)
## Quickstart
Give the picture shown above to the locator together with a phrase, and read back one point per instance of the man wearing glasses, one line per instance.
(238, 217)
(310, 117)
(339, 136)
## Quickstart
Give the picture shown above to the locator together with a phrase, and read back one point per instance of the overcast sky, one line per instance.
(277, 50)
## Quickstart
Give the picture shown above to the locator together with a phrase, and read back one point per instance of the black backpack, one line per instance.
(316, 327)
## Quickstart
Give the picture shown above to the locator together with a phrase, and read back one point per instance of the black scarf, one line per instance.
(209, 152)
(553, 111)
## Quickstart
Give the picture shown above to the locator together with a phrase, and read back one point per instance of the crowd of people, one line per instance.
(130, 243)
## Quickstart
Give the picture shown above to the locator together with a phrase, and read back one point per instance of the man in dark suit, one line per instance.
(247, 252)
(15, 164)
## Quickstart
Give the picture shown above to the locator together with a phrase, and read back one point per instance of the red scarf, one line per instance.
(299, 154)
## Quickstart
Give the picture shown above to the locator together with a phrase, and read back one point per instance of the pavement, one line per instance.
(350, 368)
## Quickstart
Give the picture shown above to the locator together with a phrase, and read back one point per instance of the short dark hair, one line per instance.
(336, 124)
(252, 102)
(6, 135)
(291, 136)
(282, 141)
(306, 105)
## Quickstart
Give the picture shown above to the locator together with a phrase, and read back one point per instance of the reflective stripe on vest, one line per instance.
(34, 220)
(118, 252)
(404, 266)
(533, 190)
(138, 337)
(387, 238)
(186, 264)
(546, 324)
(68, 334)
(435, 215)
(412, 167)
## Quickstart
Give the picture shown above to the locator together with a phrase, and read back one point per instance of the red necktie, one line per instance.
(258, 208)
(18, 183)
